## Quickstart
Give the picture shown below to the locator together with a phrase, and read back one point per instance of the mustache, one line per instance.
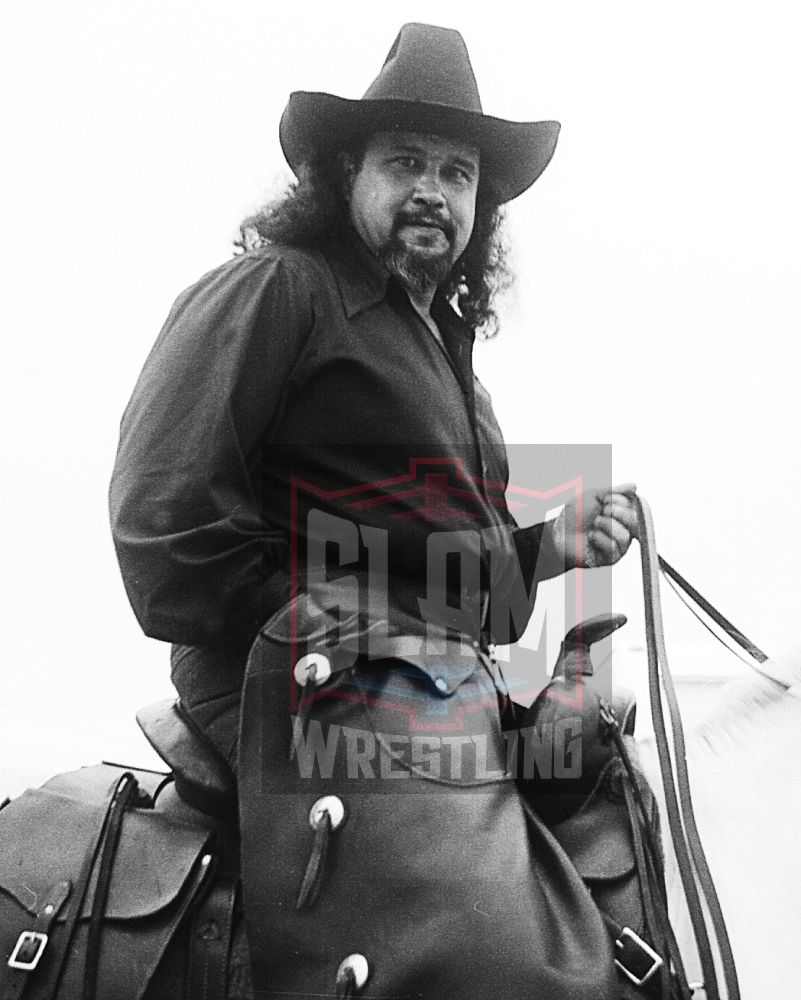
(425, 219)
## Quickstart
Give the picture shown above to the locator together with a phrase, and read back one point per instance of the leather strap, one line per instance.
(122, 798)
(650, 870)
(32, 943)
(117, 789)
(673, 977)
(714, 614)
(210, 939)
(681, 818)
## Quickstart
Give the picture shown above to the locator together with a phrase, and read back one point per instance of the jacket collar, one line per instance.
(363, 282)
(361, 279)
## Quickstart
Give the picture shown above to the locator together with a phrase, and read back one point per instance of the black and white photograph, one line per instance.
(401, 578)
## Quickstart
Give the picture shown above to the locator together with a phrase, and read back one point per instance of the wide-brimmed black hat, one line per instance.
(426, 85)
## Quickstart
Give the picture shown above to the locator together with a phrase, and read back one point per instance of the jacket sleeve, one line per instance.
(515, 573)
(198, 562)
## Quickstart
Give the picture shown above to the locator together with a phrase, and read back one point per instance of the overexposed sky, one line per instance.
(657, 304)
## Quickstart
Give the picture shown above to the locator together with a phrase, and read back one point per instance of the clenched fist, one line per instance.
(595, 529)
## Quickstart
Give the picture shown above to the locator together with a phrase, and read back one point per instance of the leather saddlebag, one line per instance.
(154, 872)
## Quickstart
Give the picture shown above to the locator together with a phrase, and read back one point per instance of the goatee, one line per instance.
(418, 267)
(414, 268)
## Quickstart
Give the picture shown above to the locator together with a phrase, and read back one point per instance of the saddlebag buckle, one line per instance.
(636, 959)
(28, 950)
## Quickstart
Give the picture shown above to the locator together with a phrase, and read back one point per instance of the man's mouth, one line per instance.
(426, 222)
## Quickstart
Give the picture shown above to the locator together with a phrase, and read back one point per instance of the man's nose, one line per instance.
(428, 189)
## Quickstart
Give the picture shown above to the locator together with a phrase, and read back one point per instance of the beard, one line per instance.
(417, 267)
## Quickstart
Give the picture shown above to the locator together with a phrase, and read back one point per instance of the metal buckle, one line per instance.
(656, 961)
(27, 940)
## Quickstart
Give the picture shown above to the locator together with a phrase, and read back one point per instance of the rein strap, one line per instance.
(672, 761)
(731, 630)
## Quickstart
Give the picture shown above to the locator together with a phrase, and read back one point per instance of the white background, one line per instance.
(657, 305)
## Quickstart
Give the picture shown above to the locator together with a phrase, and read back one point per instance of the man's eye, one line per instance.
(459, 174)
(405, 162)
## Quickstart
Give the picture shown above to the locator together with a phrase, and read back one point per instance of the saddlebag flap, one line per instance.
(598, 840)
(159, 868)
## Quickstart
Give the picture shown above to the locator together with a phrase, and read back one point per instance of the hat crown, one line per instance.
(428, 64)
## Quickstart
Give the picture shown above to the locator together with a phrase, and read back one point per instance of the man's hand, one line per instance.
(595, 529)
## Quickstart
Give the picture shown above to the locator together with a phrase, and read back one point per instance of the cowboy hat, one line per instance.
(425, 85)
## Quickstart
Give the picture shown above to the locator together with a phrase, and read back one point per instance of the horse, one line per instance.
(744, 761)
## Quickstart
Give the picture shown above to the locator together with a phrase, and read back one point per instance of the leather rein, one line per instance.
(699, 889)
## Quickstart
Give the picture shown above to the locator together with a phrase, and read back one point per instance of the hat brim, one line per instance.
(513, 154)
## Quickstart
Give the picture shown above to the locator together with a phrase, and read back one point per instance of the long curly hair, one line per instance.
(313, 210)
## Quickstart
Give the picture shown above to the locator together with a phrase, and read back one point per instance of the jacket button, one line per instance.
(304, 665)
(333, 806)
(358, 968)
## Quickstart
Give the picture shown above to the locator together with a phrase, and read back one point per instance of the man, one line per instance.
(308, 434)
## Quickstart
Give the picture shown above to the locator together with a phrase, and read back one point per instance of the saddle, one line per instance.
(146, 874)
(120, 882)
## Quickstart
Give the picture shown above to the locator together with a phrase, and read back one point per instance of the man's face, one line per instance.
(413, 203)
